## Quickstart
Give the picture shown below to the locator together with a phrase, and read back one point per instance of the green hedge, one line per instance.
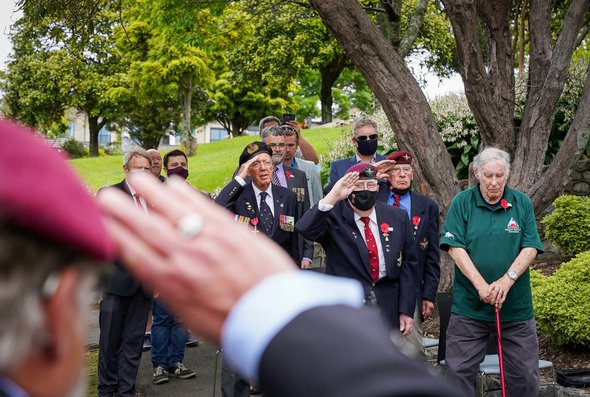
(562, 302)
(568, 226)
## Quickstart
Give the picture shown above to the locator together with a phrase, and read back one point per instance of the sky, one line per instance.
(8, 16)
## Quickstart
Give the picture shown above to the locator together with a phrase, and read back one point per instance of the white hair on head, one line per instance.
(136, 152)
(491, 155)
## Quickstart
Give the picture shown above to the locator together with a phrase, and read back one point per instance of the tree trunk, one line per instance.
(400, 95)
(188, 141)
(94, 127)
(329, 74)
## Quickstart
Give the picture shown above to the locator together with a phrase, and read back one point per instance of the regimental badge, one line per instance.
(300, 192)
(251, 148)
(369, 172)
(399, 260)
(287, 223)
(248, 206)
(424, 244)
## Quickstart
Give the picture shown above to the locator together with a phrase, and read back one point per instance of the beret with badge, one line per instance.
(401, 157)
(253, 149)
(366, 171)
(43, 195)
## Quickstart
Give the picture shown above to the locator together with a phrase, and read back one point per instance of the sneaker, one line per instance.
(147, 341)
(191, 341)
(182, 372)
(160, 375)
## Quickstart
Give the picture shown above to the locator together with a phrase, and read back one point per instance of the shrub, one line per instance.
(562, 307)
(74, 148)
(568, 226)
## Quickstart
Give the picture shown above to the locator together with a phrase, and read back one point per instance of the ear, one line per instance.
(61, 314)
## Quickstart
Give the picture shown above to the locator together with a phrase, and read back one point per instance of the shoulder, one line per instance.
(342, 162)
(120, 185)
(424, 200)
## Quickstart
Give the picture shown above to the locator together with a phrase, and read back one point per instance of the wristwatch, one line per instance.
(512, 275)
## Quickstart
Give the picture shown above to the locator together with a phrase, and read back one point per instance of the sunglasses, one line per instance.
(372, 137)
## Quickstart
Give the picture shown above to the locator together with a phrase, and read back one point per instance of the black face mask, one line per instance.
(180, 171)
(401, 192)
(367, 147)
(363, 199)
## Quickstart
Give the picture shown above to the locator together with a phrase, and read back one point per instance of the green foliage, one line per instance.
(568, 226)
(74, 148)
(562, 307)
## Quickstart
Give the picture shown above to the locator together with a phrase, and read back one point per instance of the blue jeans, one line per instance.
(168, 337)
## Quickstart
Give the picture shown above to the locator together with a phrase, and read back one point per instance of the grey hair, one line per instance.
(363, 121)
(136, 152)
(267, 119)
(27, 264)
(489, 155)
(272, 130)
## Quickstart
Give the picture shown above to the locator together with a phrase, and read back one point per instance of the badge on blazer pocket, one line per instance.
(287, 223)
(424, 244)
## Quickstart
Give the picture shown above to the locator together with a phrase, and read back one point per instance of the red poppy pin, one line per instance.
(416, 221)
(385, 230)
(505, 204)
(254, 222)
(288, 174)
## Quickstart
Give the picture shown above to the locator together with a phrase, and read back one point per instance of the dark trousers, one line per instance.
(122, 321)
(466, 347)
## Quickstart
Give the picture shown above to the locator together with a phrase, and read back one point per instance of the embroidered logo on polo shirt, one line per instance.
(450, 235)
(512, 226)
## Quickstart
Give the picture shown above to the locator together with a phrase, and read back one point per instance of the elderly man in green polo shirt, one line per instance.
(491, 234)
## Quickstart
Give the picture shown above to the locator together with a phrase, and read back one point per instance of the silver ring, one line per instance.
(501, 291)
(190, 225)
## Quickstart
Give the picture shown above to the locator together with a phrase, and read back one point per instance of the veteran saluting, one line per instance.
(369, 241)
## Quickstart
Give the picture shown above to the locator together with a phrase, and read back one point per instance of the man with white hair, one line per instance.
(491, 234)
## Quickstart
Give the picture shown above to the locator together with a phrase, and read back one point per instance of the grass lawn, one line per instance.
(209, 170)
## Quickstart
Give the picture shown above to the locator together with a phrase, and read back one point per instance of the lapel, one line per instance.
(356, 236)
(417, 210)
(279, 206)
(290, 181)
(247, 200)
(386, 244)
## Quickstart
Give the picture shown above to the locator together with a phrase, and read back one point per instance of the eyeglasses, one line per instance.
(277, 145)
(366, 185)
(372, 137)
(398, 170)
(261, 164)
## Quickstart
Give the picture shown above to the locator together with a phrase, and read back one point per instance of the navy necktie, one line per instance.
(266, 217)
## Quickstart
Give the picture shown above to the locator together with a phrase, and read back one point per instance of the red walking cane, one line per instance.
(500, 358)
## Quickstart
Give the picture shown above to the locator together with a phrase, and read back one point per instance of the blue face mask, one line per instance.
(367, 147)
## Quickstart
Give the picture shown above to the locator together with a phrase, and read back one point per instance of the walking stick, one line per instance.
(500, 357)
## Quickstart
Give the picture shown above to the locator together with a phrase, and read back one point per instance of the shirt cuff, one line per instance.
(306, 259)
(324, 207)
(240, 180)
(270, 305)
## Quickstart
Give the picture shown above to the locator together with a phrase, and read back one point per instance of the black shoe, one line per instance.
(147, 342)
(160, 376)
(191, 341)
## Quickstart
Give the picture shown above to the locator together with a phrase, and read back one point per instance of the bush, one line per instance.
(562, 307)
(74, 148)
(568, 226)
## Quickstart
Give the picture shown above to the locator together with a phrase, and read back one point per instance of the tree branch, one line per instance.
(407, 42)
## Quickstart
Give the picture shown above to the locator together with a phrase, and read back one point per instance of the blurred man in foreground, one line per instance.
(51, 241)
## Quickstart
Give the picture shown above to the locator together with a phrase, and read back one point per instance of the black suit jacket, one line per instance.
(347, 254)
(349, 355)
(122, 283)
(241, 200)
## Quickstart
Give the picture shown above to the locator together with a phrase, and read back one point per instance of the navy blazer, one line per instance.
(297, 180)
(241, 201)
(122, 283)
(339, 167)
(347, 254)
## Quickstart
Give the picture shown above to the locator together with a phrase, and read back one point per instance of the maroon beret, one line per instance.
(41, 193)
(366, 171)
(401, 157)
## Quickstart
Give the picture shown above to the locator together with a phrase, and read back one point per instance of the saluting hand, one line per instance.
(384, 169)
(342, 188)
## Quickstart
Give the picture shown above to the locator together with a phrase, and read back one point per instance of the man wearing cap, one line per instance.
(365, 140)
(124, 306)
(52, 241)
(368, 241)
(423, 213)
